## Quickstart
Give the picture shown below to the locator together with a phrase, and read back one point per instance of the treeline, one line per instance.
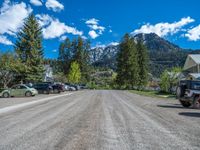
(160, 61)
(132, 64)
(73, 62)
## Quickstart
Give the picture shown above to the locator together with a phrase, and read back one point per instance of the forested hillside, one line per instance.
(162, 54)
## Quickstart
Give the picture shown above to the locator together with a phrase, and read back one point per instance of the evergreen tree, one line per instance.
(78, 51)
(65, 56)
(142, 58)
(127, 66)
(29, 50)
(81, 56)
(74, 75)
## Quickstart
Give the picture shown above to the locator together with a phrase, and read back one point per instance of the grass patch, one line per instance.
(153, 94)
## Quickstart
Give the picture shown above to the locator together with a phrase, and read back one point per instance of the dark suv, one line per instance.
(43, 88)
(58, 88)
(188, 93)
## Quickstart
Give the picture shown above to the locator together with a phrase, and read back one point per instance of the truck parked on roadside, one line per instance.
(188, 93)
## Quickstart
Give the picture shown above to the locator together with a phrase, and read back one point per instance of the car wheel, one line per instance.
(48, 92)
(196, 102)
(6, 95)
(185, 104)
(45, 92)
(179, 92)
(56, 91)
(28, 94)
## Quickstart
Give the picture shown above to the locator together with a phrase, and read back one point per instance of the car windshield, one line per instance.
(195, 85)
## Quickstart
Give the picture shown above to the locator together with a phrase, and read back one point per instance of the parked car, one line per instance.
(188, 93)
(83, 86)
(58, 88)
(73, 86)
(19, 90)
(69, 88)
(4, 93)
(43, 88)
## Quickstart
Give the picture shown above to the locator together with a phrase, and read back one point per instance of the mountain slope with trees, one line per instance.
(162, 54)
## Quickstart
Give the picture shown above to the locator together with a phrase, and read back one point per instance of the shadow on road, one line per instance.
(190, 114)
(171, 106)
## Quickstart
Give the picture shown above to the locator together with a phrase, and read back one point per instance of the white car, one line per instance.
(70, 88)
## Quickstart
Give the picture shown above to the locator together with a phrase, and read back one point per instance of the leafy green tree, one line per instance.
(29, 50)
(10, 67)
(165, 84)
(127, 63)
(142, 58)
(74, 75)
(169, 79)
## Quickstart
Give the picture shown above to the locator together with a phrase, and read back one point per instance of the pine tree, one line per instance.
(29, 50)
(75, 51)
(142, 58)
(65, 56)
(127, 66)
(81, 56)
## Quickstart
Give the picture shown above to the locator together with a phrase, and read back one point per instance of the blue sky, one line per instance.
(102, 22)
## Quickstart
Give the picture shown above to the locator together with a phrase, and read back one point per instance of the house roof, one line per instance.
(196, 58)
(195, 75)
(191, 61)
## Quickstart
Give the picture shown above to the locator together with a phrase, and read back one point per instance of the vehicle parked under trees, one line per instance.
(19, 90)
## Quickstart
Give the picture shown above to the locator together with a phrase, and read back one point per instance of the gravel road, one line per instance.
(101, 120)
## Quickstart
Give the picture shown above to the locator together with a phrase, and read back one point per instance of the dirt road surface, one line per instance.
(101, 120)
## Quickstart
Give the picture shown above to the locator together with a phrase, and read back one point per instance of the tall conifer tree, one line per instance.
(142, 58)
(127, 66)
(29, 50)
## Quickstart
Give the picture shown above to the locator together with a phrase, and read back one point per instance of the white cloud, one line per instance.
(114, 43)
(193, 34)
(4, 40)
(164, 29)
(36, 2)
(12, 17)
(44, 19)
(53, 28)
(93, 34)
(96, 27)
(57, 29)
(62, 38)
(84, 37)
(93, 24)
(54, 5)
(92, 21)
